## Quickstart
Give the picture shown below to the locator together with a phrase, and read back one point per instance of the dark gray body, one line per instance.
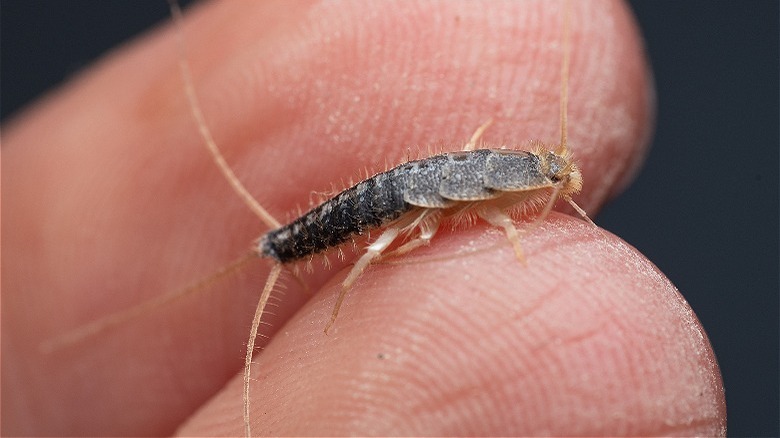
(441, 181)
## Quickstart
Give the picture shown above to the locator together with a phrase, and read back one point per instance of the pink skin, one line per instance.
(109, 199)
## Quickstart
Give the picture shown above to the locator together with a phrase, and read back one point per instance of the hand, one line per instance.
(110, 200)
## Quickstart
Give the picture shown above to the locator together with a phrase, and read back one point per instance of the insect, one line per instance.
(408, 203)
(410, 199)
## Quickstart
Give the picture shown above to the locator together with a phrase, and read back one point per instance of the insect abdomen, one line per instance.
(365, 206)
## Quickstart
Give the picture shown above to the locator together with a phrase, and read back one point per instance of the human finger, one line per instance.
(117, 154)
(587, 338)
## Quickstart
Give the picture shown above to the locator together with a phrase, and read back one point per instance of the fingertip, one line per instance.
(588, 338)
(433, 332)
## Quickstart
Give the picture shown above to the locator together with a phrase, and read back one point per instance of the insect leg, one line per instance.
(374, 251)
(429, 225)
(472, 144)
(498, 218)
(547, 207)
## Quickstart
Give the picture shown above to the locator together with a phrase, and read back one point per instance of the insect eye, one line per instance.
(555, 169)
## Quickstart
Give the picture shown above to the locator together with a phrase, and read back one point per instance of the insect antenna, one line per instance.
(564, 98)
(581, 212)
(563, 148)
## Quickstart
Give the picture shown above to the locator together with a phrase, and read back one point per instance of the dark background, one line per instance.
(704, 209)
